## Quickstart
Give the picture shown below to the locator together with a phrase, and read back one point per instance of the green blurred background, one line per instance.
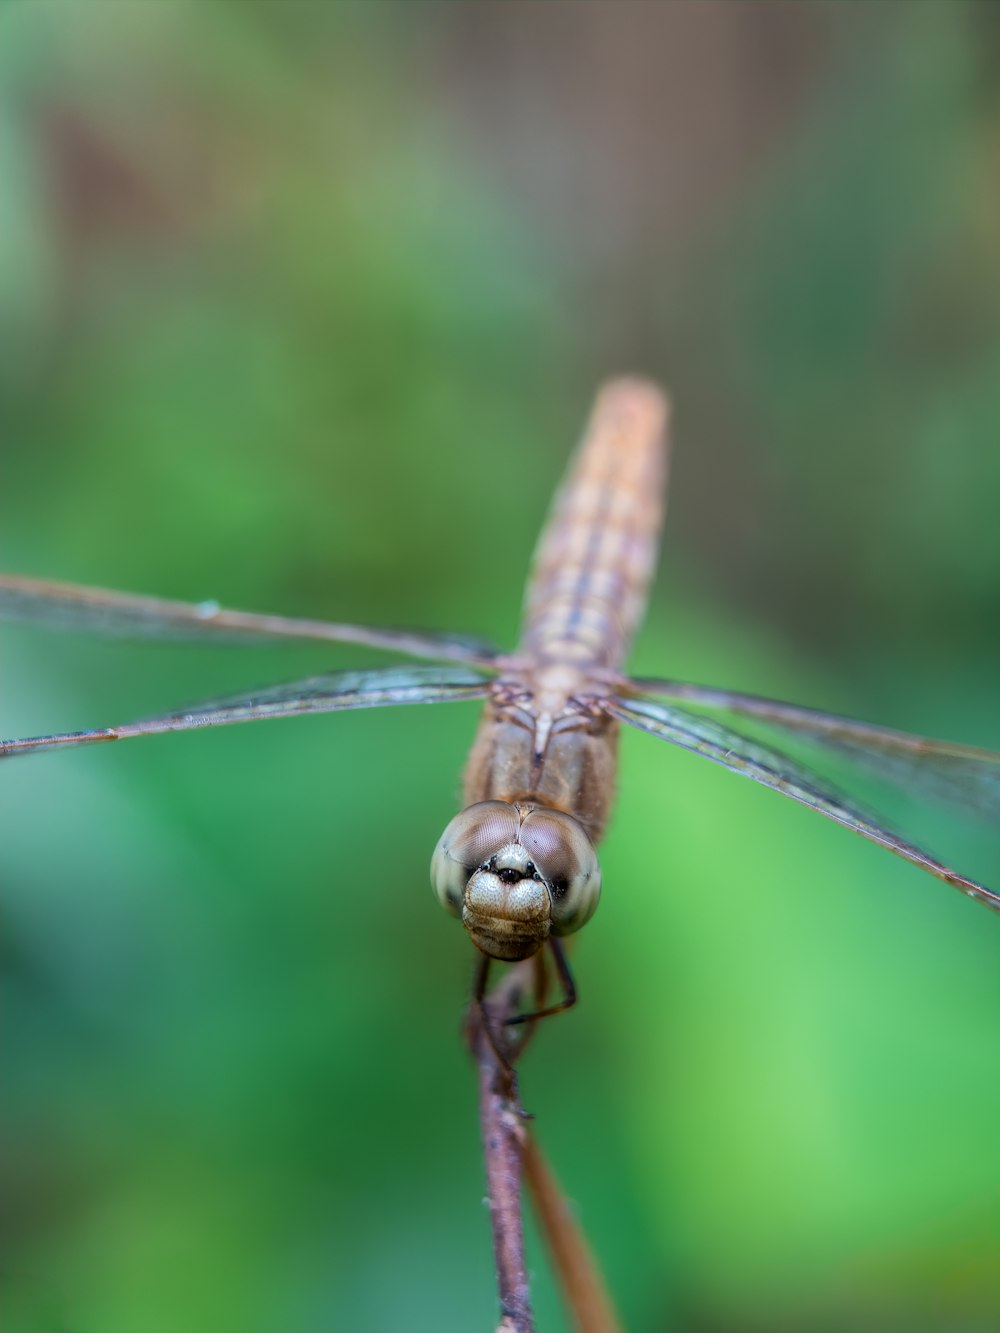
(301, 308)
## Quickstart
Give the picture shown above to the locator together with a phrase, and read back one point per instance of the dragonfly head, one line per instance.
(516, 874)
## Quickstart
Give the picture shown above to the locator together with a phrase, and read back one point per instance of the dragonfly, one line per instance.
(518, 864)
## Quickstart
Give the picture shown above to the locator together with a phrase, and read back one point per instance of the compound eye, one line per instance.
(472, 837)
(565, 858)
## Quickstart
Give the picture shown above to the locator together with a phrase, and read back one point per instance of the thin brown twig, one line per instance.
(510, 1150)
(502, 1125)
(581, 1280)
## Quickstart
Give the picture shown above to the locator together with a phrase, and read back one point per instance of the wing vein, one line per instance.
(770, 767)
(332, 692)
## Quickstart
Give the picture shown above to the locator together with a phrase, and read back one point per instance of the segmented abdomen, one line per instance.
(596, 554)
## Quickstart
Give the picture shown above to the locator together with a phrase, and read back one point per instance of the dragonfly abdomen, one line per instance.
(596, 555)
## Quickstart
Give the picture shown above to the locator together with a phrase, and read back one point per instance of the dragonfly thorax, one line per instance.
(516, 873)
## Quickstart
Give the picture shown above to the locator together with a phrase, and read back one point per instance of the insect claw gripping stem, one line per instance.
(569, 989)
(480, 1025)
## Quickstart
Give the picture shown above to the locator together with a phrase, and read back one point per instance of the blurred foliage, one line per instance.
(300, 308)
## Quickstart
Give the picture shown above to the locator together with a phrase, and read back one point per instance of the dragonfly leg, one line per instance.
(568, 984)
(480, 1022)
(540, 993)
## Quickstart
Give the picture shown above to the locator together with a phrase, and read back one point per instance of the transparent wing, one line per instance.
(328, 693)
(99, 610)
(773, 769)
(961, 774)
